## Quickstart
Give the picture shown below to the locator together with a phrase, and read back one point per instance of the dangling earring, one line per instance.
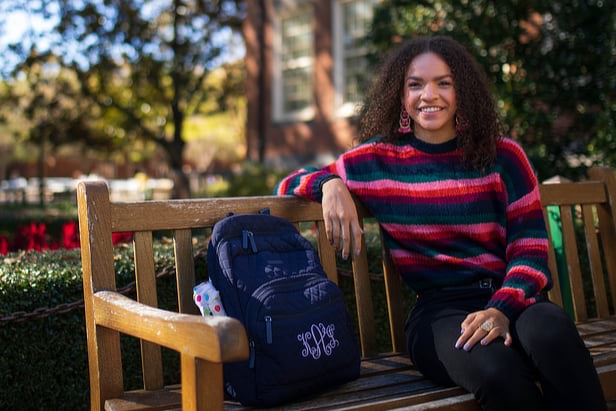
(405, 121)
(461, 125)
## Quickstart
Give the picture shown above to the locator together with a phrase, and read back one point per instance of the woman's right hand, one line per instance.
(340, 216)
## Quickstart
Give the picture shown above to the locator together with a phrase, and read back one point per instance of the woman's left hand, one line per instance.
(484, 326)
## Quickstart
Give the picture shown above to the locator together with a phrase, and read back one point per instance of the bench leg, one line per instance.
(202, 385)
(607, 375)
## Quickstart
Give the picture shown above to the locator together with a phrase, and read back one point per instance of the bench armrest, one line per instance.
(217, 339)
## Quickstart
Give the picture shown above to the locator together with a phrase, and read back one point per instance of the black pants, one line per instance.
(546, 349)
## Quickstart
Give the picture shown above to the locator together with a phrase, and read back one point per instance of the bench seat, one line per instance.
(388, 381)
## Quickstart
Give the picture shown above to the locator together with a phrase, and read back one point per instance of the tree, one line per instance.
(144, 61)
(215, 134)
(552, 63)
(44, 107)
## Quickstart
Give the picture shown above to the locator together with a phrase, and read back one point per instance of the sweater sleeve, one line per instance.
(307, 182)
(527, 273)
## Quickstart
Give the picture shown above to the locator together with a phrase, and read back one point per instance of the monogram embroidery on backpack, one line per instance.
(319, 339)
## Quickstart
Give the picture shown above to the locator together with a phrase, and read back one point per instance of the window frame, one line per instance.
(291, 9)
(343, 108)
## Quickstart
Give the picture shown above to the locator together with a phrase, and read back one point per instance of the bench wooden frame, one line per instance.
(388, 379)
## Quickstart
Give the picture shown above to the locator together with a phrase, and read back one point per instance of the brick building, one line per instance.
(305, 63)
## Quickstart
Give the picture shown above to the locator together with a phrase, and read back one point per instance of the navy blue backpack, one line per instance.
(301, 336)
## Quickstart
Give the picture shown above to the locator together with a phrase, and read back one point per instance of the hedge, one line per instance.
(44, 359)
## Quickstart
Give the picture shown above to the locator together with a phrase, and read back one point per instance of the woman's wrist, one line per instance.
(327, 179)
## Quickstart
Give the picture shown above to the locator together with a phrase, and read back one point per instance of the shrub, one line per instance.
(44, 359)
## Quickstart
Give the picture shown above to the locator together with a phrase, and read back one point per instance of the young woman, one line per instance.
(460, 210)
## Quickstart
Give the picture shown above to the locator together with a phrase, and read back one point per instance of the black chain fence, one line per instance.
(44, 312)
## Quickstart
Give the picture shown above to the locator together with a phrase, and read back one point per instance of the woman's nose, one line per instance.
(428, 92)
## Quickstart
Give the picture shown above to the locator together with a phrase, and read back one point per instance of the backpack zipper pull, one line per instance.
(248, 236)
(251, 359)
(244, 239)
(251, 237)
(268, 329)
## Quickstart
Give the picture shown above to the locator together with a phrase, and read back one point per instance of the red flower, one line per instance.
(31, 237)
(38, 235)
(34, 237)
(4, 245)
(70, 235)
(123, 237)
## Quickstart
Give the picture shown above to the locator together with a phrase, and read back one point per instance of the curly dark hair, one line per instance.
(380, 113)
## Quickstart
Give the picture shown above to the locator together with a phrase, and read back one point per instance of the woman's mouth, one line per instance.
(429, 109)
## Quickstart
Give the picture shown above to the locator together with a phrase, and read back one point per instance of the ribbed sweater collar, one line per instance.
(430, 148)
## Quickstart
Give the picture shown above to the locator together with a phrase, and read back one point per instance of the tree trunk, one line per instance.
(41, 168)
(261, 132)
(181, 186)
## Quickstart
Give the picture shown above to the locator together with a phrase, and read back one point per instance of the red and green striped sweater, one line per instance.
(445, 224)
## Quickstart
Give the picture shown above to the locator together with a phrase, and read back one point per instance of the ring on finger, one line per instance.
(487, 325)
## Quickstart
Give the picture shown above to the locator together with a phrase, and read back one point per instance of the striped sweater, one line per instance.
(444, 224)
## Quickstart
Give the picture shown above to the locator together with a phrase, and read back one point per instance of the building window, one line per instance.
(352, 19)
(294, 57)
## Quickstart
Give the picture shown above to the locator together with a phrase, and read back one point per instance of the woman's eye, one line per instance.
(445, 83)
(414, 85)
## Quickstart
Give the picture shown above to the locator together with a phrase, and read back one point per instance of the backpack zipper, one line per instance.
(251, 360)
(268, 329)
(259, 295)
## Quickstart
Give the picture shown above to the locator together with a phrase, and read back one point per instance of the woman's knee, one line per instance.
(546, 329)
(494, 366)
(501, 381)
(504, 395)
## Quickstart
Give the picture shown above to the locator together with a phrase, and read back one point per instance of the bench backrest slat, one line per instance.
(573, 262)
(145, 278)
(594, 259)
(607, 234)
(363, 300)
(176, 214)
(393, 290)
(588, 192)
(184, 270)
(327, 253)
(555, 293)
(145, 282)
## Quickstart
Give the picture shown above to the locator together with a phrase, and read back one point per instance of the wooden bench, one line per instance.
(388, 380)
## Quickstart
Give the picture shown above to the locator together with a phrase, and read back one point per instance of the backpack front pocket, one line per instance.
(301, 331)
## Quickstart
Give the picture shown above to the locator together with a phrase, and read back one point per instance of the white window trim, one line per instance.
(342, 108)
(286, 9)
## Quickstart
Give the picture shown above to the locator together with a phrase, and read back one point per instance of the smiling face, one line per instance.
(430, 98)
